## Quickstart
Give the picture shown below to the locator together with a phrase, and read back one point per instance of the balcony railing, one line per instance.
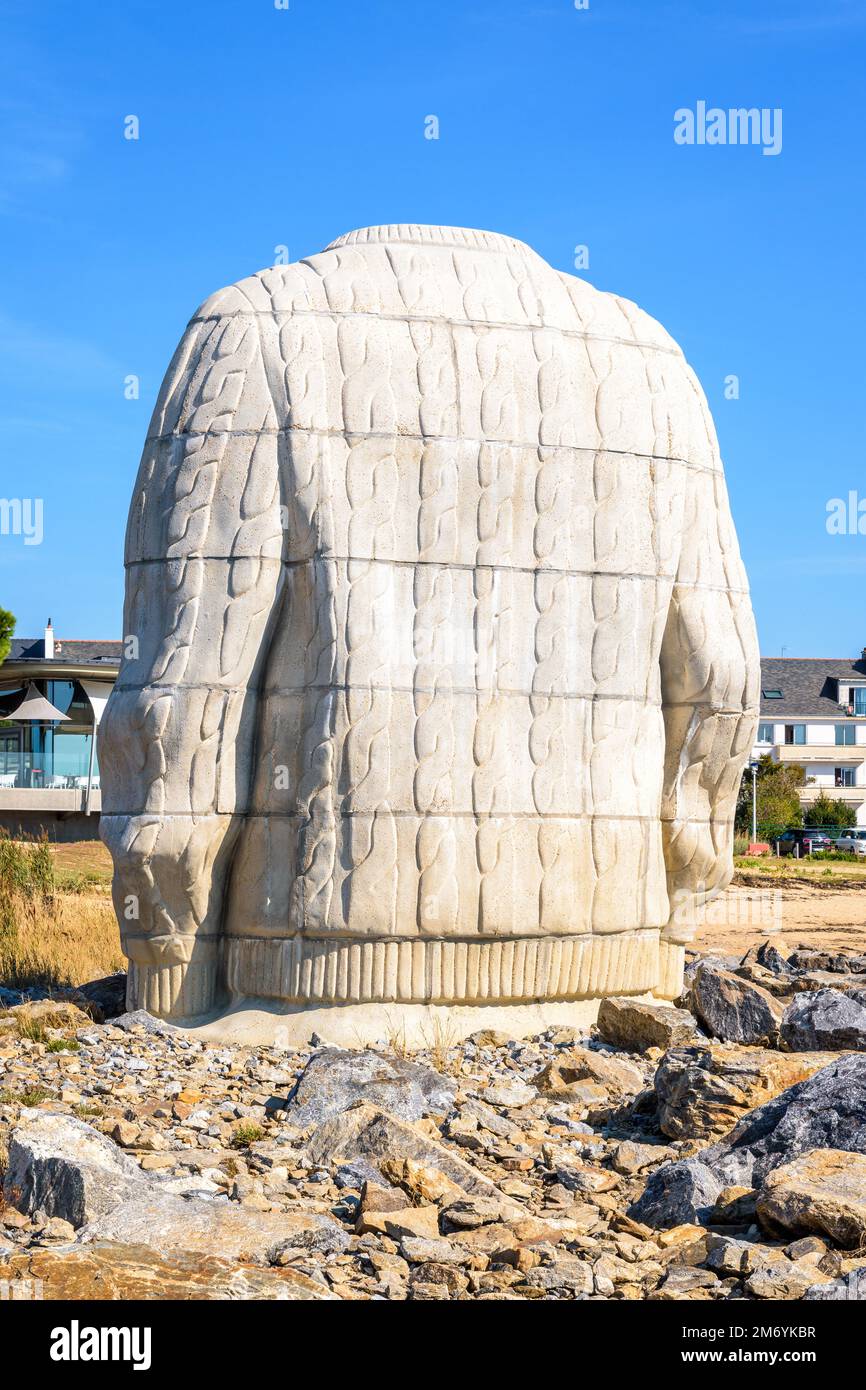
(821, 752)
(855, 795)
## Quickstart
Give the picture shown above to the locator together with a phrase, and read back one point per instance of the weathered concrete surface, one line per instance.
(406, 726)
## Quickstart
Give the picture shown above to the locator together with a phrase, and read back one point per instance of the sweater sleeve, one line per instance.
(204, 571)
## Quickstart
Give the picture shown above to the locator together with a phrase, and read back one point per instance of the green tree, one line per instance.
(828, 810)
(779, 806)
(7, 627)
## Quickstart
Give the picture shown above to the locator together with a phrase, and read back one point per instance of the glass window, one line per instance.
(795, 733)
(844, 776)
(845, 733)
(772, 694)
(766, 733)
(52, 755)
(860, 700)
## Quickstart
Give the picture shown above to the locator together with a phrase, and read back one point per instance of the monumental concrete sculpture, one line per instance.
(441, 667)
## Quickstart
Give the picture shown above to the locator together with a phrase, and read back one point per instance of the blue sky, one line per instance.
(261, 127)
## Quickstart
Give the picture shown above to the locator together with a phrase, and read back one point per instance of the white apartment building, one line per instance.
(813, 712)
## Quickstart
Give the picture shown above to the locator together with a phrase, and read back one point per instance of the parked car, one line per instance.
(852, 841)
(805, 841)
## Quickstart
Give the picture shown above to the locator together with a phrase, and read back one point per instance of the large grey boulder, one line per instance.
(63, 1167)
(168, 1223)
(677, 1194)
(827, 1111)
(826, 1018)
(334, 1081)
(705, 1090)
(734, 1009)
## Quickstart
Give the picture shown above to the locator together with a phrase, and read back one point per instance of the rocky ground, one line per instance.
(715, 1150)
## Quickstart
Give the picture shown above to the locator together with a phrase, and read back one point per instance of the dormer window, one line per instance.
(856, 699)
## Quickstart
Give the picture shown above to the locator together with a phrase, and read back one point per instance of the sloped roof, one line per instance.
(72, 651)
(808, 684)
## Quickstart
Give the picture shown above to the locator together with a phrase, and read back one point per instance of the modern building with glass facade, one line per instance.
(813, 712)
(52, 693)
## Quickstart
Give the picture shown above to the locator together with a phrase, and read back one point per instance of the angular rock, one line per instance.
(822, 1192)
(333, 1081)
(501, 1242)
(734, 1009)
(237, 1231)
(419, 1180)
(627, 1023)
(836, 962)
(371, 1135)
(490, 1037)
(374, 1197)
(615, 1074)
(507, 1094)
(771, 954)
(104, 998)
(805, 1247)
(851, 1287)
(827, 1111)
(778, 985)
(685, 1281)
(826, 1019)
(435, 1250)
(127, 1273)
(569, 1275)
(781, 1281)
(62, 1166)
(705, 1090)
(148, 1023)
(677, 1194)
(630, 1158)
(469, 1212)
(725, 1256)
(735, 1206)
(422, 1222)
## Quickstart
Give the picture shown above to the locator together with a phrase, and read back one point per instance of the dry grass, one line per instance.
(396, 1040)
(48, 936)
(81, 861)
(444, 1055)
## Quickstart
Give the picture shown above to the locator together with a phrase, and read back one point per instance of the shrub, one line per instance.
(245, 1134)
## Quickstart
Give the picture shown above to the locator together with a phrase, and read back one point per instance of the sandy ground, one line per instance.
(828, 915)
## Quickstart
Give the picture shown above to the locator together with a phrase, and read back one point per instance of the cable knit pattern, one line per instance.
(446, 664)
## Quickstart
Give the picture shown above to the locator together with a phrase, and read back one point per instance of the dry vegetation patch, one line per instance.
(51, 934)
